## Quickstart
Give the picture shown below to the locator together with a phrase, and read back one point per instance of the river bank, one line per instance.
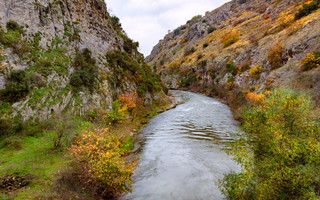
(182, 151)
(36, 162)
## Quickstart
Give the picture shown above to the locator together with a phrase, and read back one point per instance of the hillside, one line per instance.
(74, 92)
(59, 55)
(244, 46)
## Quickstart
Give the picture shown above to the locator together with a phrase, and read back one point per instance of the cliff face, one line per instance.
(246, 45)
(54, 57)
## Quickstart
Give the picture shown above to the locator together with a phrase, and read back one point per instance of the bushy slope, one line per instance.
(243, 45)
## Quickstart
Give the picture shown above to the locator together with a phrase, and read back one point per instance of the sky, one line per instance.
(148, 21)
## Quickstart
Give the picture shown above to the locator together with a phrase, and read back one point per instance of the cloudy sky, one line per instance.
(147, 21)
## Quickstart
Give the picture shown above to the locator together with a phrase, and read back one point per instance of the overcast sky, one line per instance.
(147, 21)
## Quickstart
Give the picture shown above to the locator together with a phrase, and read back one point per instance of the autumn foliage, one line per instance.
(275, 55)
(256, 71)
(279, 151)
(311, 61)
(129, 100)
(230, 38)
(98, 159)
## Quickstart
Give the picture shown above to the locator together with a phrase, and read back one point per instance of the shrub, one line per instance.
(243, 66)
(98, 160)
(199, 56)
(205, 45)
(139, 71)
(307, 8)
(183, 40)
(14, 26)
(176, 32)
(188, 79)
(211, 29)
(10, 38)
(230, 38)
(202, 63)
(189, 51)
(275, 55)
(18, 86)
(129, 100)
(86, 73)
(279, 151)
(231, 68)
(195, 18)
(255, 71)
(311, 61)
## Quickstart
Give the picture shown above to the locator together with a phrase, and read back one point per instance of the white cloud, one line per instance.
(147, 21)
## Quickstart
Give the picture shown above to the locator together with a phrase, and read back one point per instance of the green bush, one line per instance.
(127, 66)
(14, 26)
(86, 73)
(188, 79)
(205, 45)
(307, 9)
(211, 29)
(231, 68)
(19, 85)
(279, 151)
(195, 18)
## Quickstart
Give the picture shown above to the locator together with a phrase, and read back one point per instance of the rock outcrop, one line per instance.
(62, 45)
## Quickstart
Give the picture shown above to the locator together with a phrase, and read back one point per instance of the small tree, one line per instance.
(275, 55)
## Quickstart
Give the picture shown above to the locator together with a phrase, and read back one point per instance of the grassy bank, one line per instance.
(44, 164)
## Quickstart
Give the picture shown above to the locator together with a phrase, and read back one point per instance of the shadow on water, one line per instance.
(182, 151)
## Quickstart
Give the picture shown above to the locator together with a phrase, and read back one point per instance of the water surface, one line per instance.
(182, 151)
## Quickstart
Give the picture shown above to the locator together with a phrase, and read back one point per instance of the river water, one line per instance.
(182, 151)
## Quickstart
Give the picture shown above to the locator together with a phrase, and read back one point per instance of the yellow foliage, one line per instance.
(230, 38)
(255, 71)
(183, 40)
(310, 61)
(100, 154)
(231, 85)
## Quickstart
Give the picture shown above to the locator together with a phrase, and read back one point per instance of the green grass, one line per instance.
(37, 157)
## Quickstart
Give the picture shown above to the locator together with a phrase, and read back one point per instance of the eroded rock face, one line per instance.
(54, 18)
(73, 25)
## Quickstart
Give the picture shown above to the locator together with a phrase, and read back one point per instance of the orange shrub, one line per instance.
(255, 98)
(129, 100)
(266, 17)
(275, 55)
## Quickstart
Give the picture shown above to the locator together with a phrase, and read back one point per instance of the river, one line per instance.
(182, 151)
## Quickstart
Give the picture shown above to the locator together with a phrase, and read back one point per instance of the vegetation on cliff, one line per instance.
(70, 107)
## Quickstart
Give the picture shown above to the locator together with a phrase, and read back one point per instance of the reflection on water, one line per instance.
(181, 151)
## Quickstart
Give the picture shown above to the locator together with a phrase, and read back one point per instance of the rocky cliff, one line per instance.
(59, 55)
(245, 45)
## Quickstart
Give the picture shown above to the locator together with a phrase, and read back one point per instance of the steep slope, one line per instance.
(246, 45)
(59, 55)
